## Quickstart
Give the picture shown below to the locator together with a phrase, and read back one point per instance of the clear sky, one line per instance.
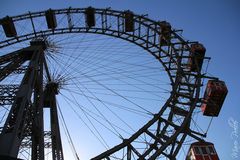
(215, 23)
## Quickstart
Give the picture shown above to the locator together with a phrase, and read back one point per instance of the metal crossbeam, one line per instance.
(27, 142)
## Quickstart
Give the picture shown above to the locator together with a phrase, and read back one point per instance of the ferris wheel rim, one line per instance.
(175, 85)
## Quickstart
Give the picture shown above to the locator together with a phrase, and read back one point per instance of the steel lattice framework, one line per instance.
(25, 116)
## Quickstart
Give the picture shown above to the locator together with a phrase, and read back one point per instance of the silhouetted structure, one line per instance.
(181, 59)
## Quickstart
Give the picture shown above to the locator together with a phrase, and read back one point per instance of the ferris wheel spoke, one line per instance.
(98, 110)
(120, 79)
(94, 131)
(65, 128)
(91, 116)
(117, 94)
(148, 84)
(70, 62)
(110, 72)
(125, 69)
(131, 97)
(123, 74)
(94, 116)
(109, 109)
(125, 108)
(101, 101)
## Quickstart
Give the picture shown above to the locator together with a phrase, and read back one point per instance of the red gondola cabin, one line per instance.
(197, 53)
(214, 97)
(202, 151)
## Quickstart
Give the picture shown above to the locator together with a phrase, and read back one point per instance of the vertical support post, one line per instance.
(57, 152)
(50, 92)
(129, 153)
(37, 125)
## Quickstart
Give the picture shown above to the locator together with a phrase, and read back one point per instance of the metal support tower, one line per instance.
(50, 92)
(25, 118)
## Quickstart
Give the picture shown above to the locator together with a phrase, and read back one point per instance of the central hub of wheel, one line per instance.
(52, 88)
(42, 42)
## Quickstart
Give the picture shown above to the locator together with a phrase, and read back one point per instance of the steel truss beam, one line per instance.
(27, 142)
(19, 70)
(7, 94)
(12, 65)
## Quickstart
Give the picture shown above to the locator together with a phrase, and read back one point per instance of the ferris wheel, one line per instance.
(115, 83)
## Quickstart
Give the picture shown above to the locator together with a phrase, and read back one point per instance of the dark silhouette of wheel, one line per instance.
(107, 66)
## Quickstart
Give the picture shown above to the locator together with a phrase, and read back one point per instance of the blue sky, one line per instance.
(215, 23)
